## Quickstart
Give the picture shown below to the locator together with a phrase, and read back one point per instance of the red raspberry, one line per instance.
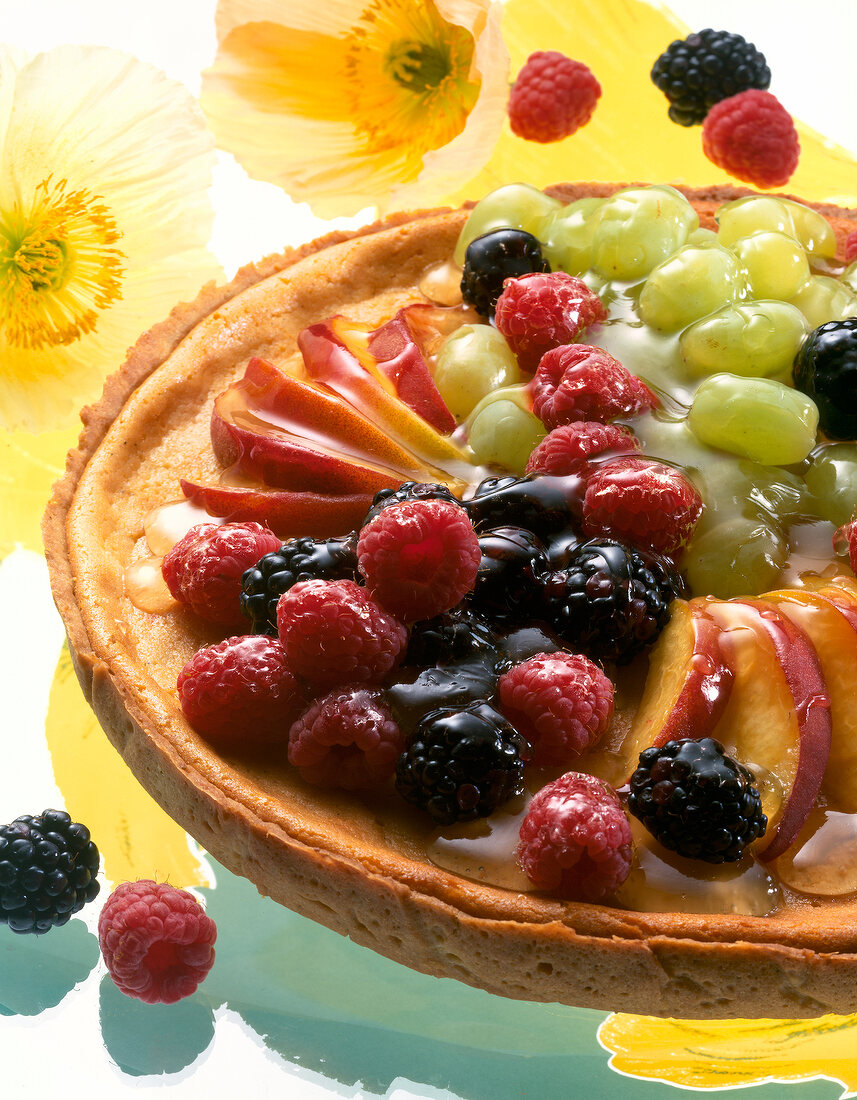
(567, 449)
(537, 312)
(752, 137)
(581, 382)
(561, 702)
(639, 500)
(203, 570)
(575, 839)
(419, 557)
(346, 739)
(845, 543)
(553, 96)
(156, 941)
(240, 694)
(335, 632)
(851, 247)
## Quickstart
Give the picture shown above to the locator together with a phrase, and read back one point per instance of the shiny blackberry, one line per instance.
(453, 636)
(462, 763)
(408, 490)
(302, 559)
(696, 800)
(696, 72)
(612, 601)
(542, 503)
(48, 868)
(825, 369)
(509, 583)
(494, 257)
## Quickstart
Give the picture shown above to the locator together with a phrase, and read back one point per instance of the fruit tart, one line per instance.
(478, 584)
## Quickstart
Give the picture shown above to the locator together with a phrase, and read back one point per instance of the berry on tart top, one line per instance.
(494, 257)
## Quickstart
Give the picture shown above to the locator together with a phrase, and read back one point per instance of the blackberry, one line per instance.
(696, 800)
(696, 72)
(48, 868)
(510, 579)
(453, 685)
(302, 559)
(494, 257)
(462, 763)
(825, 369)
(542, 503)
(453, 636)
(612, 601)
(408, 490)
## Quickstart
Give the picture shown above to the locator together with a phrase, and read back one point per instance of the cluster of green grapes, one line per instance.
(712, 321)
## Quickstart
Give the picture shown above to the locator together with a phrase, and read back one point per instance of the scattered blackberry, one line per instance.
(696, 800)
(494, 257)
(510, 579)
(696, 72)
(611, 601)
(825, 369)
(48, 866)
(462, 763)
(302, 559)
(453, 636)
(542, 503)
(408, 490)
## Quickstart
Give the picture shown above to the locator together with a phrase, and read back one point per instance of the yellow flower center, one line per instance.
(409, 73)
(59, 268)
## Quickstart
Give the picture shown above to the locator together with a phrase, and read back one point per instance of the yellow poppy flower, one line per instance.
(104, 221)
(356, 103)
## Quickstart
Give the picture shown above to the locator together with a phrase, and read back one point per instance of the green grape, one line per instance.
(738, 557)
(756, 418)
(637, 228)
(692, 283)
(503, 433)
(812, 229)
(823, 298)
(741, 217)
(702, 236)
(757, 339)
(473, 361)
(849, 276)
(776, 263)
(831, 477)
(513, 206)
(773, 493)
(568, 236)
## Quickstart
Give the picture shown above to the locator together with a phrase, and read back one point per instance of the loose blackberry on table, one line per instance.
(494, 257)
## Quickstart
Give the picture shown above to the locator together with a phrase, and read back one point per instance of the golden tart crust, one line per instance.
(359, 866)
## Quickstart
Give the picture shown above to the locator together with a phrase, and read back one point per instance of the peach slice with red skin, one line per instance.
(778, 716)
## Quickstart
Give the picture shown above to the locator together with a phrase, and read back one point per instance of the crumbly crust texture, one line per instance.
(354, 866)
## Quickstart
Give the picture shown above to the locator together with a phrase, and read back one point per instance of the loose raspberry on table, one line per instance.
(347, 739)
(553, 97)
(753, 138)
(540, 311)
(643, 502)
(419, 558)
(241, 694)
(575, 840)
(581, 382)
(336, 632)
(561, 702)
(203, 570)
(156, 940)
(566, 450)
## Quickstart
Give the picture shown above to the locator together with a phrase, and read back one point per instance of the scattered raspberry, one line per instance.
(346, 739)
(567, 449)
(553, 96)
(156, 940)
(561, 702)
(335, 632)
(641, 501)
(240, 694)
(851, 247)
(539, 311)
(581, 382)
(419, 557)
(575, 839)
(203, 570)
(752, 137)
